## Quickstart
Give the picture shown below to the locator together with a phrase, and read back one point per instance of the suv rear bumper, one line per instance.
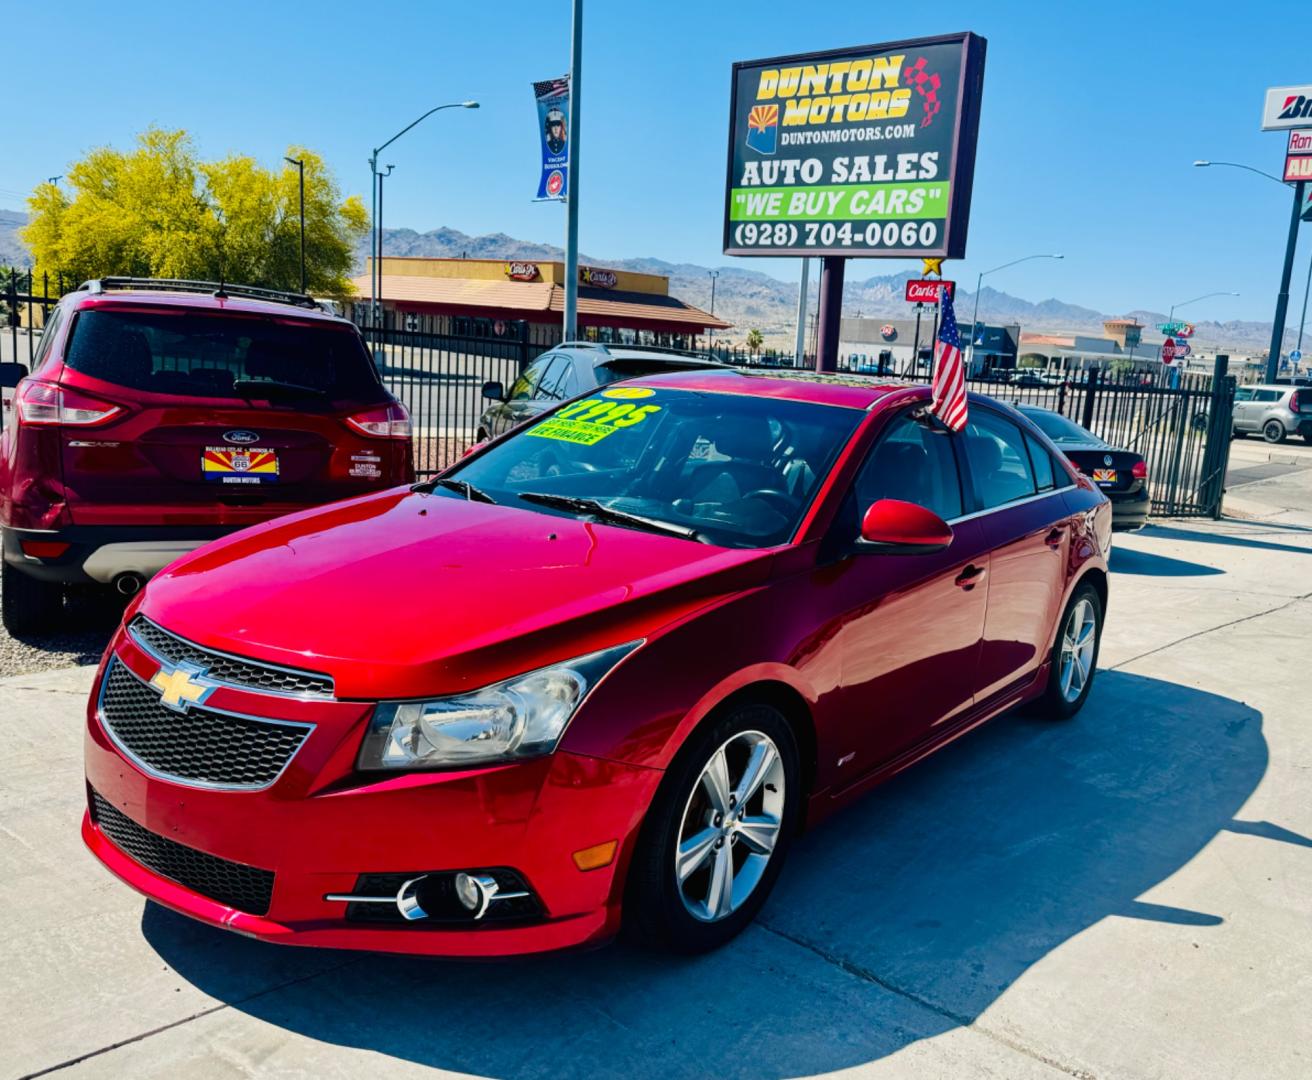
(97, 554)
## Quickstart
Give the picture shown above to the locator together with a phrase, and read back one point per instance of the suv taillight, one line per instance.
(1139, 470)
(1293, 402)
(386, 422)
(45, 403)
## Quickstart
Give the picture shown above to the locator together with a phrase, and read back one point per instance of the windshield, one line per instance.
(725, 469)
(186, 353)
(1059, 429)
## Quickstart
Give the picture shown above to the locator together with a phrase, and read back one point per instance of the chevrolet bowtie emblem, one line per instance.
(182, 686)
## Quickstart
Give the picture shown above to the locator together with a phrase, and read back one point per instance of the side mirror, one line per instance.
(894, 527)
(494, 391)
(11, 373)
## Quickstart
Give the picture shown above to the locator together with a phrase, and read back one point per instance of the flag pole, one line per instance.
(570, 329)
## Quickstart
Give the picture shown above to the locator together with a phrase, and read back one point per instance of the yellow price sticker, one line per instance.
(591, 420)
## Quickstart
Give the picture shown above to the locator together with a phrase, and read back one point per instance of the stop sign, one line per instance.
(1168, 351)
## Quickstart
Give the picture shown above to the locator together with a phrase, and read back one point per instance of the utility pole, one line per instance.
(800, 347)
(570, 330)
(300, 165)
(1282, 298)
(713, 275)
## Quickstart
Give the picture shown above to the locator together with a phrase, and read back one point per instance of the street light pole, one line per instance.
(1282, 297)
(979, 281)
(570, 329)
(300, 165)
(713, 275)
(377, 196)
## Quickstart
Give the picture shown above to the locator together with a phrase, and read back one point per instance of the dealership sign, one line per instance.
(1287, 107)
(866, 152)
(926, 290)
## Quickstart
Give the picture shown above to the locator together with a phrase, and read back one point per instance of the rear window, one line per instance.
(616, 370)
(1059, 429)
(198, 355)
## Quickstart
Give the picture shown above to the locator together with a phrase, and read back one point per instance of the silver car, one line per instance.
(569, 370)
(1275, 411)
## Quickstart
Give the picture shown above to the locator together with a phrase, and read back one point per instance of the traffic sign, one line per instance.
(1182, 349)
(1296, 356)
(1168, 351)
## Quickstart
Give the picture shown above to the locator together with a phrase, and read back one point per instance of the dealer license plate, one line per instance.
(1104, 476)
(244, 465)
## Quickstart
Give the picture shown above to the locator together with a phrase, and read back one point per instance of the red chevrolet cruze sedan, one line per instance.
(598, 674)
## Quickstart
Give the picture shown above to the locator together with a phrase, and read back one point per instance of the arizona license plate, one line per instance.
(247, 465)
(1104, 476)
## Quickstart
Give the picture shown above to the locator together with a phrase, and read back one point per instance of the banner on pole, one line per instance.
(553, 128)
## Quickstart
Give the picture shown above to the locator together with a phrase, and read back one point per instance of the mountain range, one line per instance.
(751, 299)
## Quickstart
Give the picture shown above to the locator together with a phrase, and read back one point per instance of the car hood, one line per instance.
(405, 594)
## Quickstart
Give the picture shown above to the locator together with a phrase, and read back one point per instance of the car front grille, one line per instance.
(202, 747)
(246, 888)
(229, 670)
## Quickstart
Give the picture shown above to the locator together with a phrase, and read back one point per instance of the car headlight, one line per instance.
(520, 718)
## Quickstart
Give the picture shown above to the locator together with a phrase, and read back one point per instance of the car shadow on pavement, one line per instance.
(903, 917)
(1131, 561)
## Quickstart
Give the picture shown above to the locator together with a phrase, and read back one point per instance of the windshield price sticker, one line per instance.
(592, 419)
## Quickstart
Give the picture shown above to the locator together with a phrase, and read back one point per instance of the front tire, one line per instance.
(27, 605)
(1074, 659)
(1274, 431)
(717, 833)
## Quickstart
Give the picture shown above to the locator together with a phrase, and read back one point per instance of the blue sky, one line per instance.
(1092, 116)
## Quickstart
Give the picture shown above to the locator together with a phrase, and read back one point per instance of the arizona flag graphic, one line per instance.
(763, 128)
(249, 465)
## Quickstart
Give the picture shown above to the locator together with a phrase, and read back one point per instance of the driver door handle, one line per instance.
(971, 576)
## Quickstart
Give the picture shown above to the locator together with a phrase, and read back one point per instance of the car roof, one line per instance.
(851, 391)
(156, 298)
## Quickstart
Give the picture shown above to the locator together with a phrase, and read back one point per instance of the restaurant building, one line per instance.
(496, 297)
(905, 346)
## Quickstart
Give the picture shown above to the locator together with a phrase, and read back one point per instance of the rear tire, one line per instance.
(1274, 431)
(681, 910)
(1074, 660)
(27, 605)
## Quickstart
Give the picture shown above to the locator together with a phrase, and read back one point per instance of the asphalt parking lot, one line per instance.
(1125, 895)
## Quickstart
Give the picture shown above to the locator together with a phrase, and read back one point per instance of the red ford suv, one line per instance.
(597, 674)
(163, 414)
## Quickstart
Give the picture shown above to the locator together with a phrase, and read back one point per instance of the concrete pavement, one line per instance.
(1125, 895)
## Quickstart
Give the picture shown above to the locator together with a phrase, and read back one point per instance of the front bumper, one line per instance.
(320, 826)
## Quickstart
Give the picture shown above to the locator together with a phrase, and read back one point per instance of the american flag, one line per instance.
(949, 384)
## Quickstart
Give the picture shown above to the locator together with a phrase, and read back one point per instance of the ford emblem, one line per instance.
(241, 438)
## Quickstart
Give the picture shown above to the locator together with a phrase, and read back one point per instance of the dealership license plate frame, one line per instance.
(247, 465)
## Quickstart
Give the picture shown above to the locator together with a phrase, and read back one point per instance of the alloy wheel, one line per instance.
(1079, 638)
(730, 826)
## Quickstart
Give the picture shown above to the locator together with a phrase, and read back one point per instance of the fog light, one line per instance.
(475, 893)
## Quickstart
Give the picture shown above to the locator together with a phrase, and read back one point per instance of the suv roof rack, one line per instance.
(220, 289)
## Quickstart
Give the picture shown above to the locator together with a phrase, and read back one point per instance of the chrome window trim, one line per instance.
(182, 781)
(244, 687)
(1007, 506)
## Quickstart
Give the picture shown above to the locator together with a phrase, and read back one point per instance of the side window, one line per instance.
(1244, 393)
(999, 461)
(555, 383)
(1267, 395)
(528, 381)
(913, 463)
(48, 336)
(1042, 463)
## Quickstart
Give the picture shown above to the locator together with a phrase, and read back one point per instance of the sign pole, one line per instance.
(800, 347)
(831, 312)
(1282, 298)
(571, 323)
(915, 347)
